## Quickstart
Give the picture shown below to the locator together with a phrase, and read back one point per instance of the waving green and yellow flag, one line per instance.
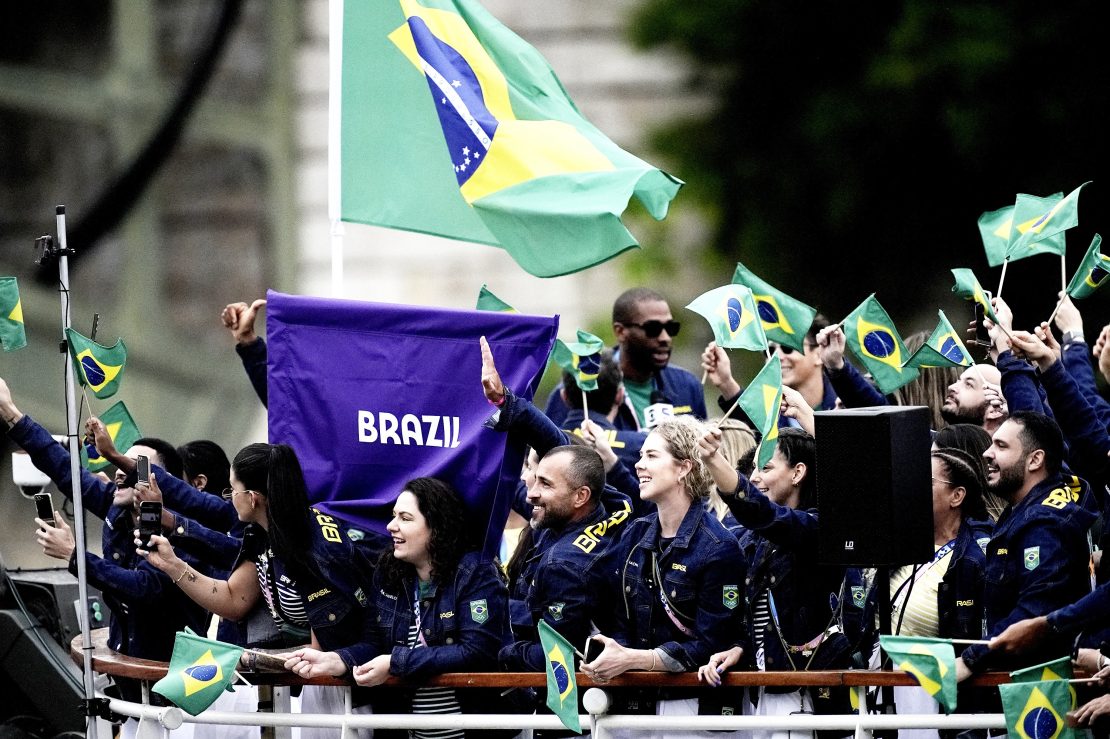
(785, 319)
(872, 337)
(450, 124)
(99, 368)
(967, 287)
(13, 335)
(732, 315)
(1038, 710)
(998, 232)
(932, 662)
(1092, 272)
(943, 348)
(562, 687)
(582, 359)
(200, 670)
(761, 400)
(123, 431)
(1050, 221)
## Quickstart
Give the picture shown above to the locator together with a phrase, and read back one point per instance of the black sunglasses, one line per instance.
(652, 329)
(786, 349)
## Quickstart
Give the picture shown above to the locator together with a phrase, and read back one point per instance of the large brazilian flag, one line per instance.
(452, 125)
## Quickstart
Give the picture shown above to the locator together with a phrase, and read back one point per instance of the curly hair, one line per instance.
(445, 517)
(681, 436)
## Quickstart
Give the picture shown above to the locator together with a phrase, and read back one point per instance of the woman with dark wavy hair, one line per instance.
(442, 607)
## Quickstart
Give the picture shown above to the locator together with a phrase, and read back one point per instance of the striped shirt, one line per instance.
(289, 605)
(432, 700)
(920, 616)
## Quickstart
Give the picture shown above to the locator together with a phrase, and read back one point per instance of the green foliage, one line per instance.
(846, 140)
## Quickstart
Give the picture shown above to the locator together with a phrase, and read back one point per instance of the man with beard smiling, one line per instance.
(645, 328)
(566, 577)
(1037, 560)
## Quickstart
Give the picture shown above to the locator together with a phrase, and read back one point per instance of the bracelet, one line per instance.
(185, 570)
(652, 668)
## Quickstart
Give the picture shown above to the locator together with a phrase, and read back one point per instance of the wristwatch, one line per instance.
(1070, 337)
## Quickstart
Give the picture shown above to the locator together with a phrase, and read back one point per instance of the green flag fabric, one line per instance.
(943, 348)
(1092, 272)
(13, 335)
(582, 358)
(732, 315)
(1057, 669)
(98, 367)
(967, 287)
(995, 229)
(784, 319)
(452, 125)
(488, 301)
(123, 430)
(1053, 220)
(1038, 710)
(562, 687)
(761, 400)
(200, 670)
(871, 336)
(1028, 209)
(932, 662)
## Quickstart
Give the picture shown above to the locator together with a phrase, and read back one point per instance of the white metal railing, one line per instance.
(158, 721)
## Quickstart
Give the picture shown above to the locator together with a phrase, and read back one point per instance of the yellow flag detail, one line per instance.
(519, 151)
(879, 343)
(780, 321)
(17, 312)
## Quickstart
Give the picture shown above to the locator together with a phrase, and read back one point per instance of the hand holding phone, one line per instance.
(593, 649)
(44, 508)
(150, 522)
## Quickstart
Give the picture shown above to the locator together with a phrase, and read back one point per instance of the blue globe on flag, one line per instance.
(735, 313)
(879, 344)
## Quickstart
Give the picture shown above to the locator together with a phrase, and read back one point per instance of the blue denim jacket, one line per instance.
(702, 574)
(147, 609)
(568, 584)
(780, 547)
(1037, 562)
(464, 621)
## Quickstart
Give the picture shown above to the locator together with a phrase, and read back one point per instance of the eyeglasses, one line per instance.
(229, 493)
(941, 479)
(652, 329)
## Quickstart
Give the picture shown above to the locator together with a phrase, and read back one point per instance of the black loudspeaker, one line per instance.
(874, 488)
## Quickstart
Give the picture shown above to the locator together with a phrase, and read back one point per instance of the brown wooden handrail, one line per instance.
(111, 662)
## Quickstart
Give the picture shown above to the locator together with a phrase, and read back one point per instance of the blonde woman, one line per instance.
(681, 578)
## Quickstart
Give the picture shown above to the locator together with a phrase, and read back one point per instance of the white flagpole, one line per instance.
(335, 172)
(72, 415)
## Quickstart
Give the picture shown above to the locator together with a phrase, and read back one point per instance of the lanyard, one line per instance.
(420, 640)
(918, 574)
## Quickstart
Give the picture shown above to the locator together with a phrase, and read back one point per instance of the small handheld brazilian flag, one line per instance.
(98, 367)
(967, 287)
(1062, 215)
(761, 400)
(871, 336)
(582, 358)
(121, 428)
(13, 335)
(932, 662)
(1092, 272)
(200, 670)
(488, 301)
(562, 688)
(785, 319)
(1038, 710)
(943, 348)
(1057, 669)
(732, 315)
(996, 227)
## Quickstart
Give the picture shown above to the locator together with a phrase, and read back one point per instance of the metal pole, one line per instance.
(72, 413)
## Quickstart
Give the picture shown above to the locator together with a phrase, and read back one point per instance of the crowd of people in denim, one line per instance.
(655, 540)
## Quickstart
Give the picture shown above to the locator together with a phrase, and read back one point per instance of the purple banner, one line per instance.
(371, 395)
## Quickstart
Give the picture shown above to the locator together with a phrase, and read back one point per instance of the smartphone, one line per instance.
(142, 469)
(593, 649)
(150, 521)
(44, 507)
(981, 334)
